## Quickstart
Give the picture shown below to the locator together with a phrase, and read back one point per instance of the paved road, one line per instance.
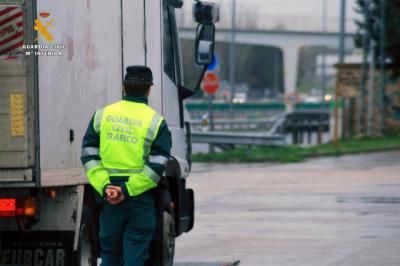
(330, 211)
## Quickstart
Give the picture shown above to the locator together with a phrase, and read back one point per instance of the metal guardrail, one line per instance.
(300, 123)
(229, 138)
(222, 124)
(294, 123)
(192, 106)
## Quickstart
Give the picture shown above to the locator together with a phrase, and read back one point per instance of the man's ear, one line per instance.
(148, 91)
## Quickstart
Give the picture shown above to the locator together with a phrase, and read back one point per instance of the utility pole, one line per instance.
(382, 38)
(232, 59)
(323, 63)
(342, 31)
(371, 90)
(363, 76)
(341, 61)
(211, 146)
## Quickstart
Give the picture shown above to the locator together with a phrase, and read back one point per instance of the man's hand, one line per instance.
(114, 195)
(111, 192)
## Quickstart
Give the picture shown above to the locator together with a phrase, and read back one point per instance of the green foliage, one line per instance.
(298, 154)
(373, 26)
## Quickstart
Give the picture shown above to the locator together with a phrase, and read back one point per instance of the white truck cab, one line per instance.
(59, 62)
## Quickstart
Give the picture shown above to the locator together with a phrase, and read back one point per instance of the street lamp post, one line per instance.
(341, 61)
(371, 89)
(232, 59)
(363, 78)
(323, 63)
(342, 30)
(382, 38)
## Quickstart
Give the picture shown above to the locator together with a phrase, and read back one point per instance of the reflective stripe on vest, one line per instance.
(159, 159)
(123, 171)
(147, 171)
(89, 151)
(97, 120)
(151, 134)
(91, 164)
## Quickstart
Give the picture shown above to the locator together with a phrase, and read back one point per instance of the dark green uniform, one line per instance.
(126, 229)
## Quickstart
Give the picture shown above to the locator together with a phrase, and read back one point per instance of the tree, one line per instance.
(372, 25)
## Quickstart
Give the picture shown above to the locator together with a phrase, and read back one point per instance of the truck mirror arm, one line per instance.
(185, 92)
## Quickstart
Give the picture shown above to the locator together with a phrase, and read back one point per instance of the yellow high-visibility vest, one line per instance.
(127, 130)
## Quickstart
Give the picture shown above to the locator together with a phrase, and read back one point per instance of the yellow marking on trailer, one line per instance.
(17, 115)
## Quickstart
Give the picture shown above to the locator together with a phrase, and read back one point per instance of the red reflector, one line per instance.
(8, 207)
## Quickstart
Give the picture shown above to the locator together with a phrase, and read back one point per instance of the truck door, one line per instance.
(17, 93)
(172, 78)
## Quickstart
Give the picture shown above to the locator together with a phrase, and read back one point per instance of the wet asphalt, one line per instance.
(326, 211)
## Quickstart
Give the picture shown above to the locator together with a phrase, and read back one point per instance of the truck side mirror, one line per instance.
(174, 3)
(205, 12)
(204, 47)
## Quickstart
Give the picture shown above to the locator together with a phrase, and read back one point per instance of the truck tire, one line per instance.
(86, 253)
(169, 238)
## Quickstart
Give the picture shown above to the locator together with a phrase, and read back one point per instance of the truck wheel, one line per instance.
(169, 238)
(85, 255)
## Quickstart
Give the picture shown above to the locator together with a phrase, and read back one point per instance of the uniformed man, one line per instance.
(124, 152)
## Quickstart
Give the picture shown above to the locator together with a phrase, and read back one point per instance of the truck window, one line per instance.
(172, 59)
(168, 51)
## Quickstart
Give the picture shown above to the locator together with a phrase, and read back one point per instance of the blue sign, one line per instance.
(213, 64)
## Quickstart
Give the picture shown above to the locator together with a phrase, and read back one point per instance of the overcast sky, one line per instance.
(284, 14)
